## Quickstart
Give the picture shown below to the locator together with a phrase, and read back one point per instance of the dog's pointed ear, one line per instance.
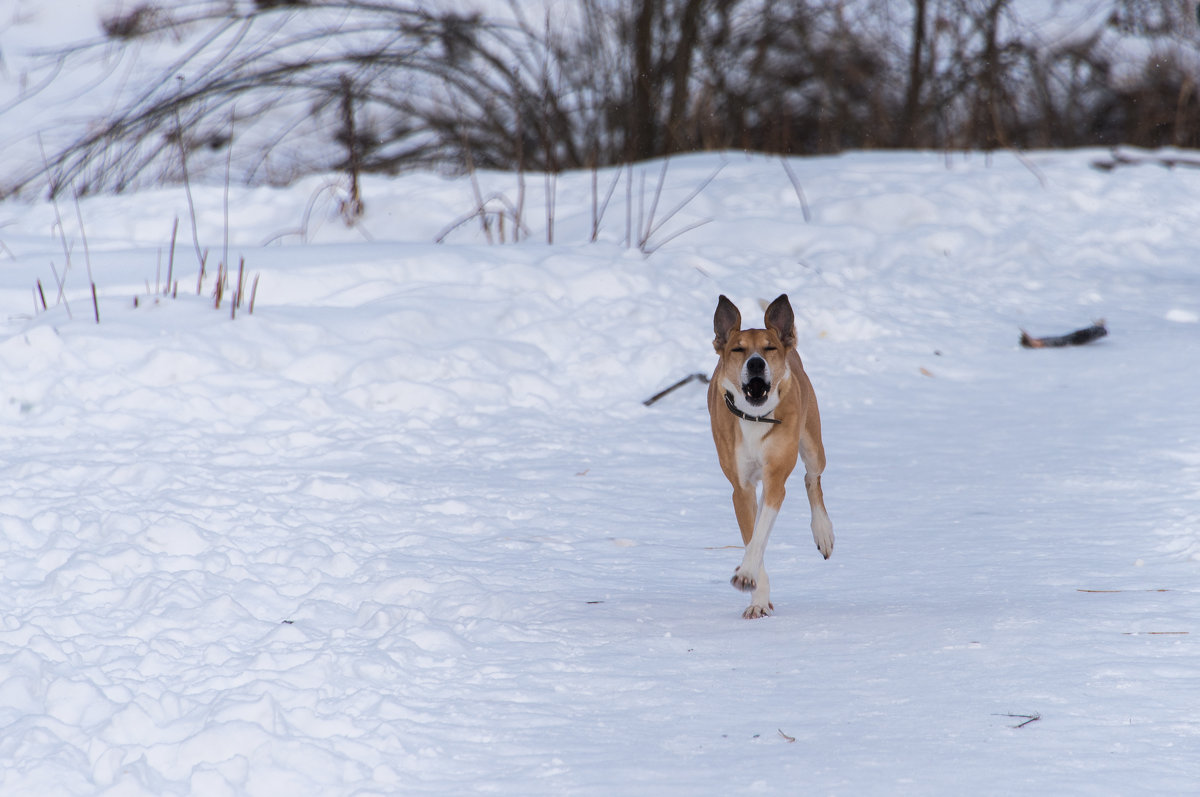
(782, 321)
(726, 321)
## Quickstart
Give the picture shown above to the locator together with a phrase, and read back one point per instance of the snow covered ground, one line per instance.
(409, 529)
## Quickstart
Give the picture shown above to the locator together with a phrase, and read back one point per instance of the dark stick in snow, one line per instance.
(1034, 717)
(703, 378)
(1076, 338)
(1166, 161)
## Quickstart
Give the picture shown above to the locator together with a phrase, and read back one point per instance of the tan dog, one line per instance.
(764, 413)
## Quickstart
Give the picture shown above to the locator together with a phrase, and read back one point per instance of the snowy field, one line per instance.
(408, 528)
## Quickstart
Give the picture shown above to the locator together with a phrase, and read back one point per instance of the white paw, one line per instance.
(755, 611)
(743, 581)
(822, 531)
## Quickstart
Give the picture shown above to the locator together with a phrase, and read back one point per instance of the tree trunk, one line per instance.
(992, 132)
(912, 99)
(681, 70)
(641, 145)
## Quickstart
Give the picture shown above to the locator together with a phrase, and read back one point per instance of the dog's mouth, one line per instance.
(756, 390)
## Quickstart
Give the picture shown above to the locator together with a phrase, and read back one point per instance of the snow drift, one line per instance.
(408, 528)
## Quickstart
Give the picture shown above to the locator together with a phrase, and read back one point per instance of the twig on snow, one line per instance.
(483, 212)
(253, 294)
(650, 227)
(1034, 717)
(1030, 166)
(1077, 338)
(62, 234)
(598, 208)
(87, 257)
(187, 188)
(1119, 159)
(791, 173)
(62, 296)
(171, 257)
(660, 394)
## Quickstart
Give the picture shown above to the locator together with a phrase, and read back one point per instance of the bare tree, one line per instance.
(283, 71)
(383, 85)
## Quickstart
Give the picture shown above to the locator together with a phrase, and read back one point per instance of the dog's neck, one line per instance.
(758, 418)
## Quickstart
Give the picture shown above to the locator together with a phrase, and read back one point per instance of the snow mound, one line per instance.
(408, 527)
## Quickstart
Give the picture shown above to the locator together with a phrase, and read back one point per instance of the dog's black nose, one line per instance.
(756, 365)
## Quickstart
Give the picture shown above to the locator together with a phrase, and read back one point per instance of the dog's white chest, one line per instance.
(751, 451)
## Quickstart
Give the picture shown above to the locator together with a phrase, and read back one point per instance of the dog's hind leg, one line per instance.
(812, 454)
(822, 526)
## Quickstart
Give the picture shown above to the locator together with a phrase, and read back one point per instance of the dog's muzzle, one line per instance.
(756, 384)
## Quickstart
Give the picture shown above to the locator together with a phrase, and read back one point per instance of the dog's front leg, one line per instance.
(751, 575)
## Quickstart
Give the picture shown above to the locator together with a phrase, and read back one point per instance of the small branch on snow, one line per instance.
(253, 293)
(1119, 159)
(791, 173)
(484, 213)
(651, 228)
(1077, 338)
(171, 257)
(785, 736)
(62, 295)
(649, 250)
(702, 377)
(1034, 717)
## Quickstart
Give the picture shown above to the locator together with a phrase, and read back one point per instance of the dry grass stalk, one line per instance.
(171, 255)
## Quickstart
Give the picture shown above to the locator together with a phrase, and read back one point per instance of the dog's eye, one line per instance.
(739, 349)
(769, 348)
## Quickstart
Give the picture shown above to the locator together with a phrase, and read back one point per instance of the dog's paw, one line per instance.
(754, 611)
(742, 581)
(823, 536)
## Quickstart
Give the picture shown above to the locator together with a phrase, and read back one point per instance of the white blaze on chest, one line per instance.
(751, 450)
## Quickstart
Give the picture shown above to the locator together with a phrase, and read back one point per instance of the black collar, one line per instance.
(733, 408)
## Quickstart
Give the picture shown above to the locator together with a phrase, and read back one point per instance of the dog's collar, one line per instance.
(733, 408)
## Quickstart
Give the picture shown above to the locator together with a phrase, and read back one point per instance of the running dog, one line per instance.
(764, 414)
